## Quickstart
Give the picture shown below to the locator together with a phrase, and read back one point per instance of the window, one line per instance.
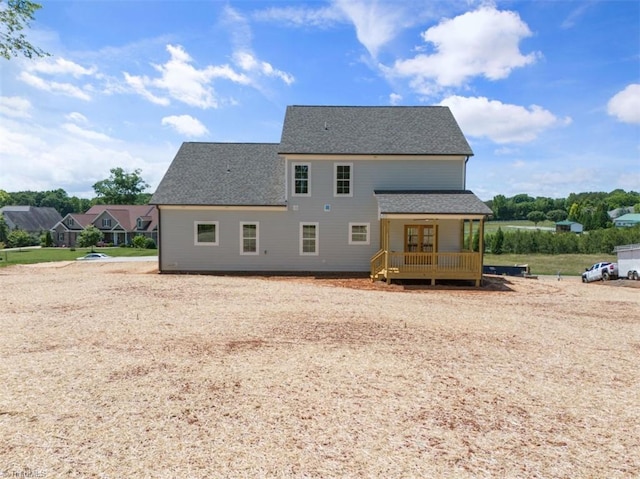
(249, 238)
(343, 178)
(358, 233)
(309, 239)
(301, 177)
(60, 236)
(206, 233)
(71, 222)
(139, 223)
(106, 222)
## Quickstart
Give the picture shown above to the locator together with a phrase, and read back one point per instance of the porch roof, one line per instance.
(430, 202)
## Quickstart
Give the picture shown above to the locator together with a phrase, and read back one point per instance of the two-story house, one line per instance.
(119, 224)
(348, 189)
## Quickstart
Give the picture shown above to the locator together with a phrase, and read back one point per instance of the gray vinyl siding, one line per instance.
(279, 231)
(279, 243)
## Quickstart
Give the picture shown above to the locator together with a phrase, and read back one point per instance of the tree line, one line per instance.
(588, 208)
(601, 241)
(121, 188)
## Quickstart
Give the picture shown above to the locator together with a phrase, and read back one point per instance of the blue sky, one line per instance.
(547, 92)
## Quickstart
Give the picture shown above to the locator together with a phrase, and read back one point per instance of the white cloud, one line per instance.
(186, 125)
(484, 42)
(500, 122)
(15, 106)
(137, 84)
(395, 99)
(244, 57)
(625, 105)
(183, 82)
(54, 87)
(77, 117)
(376, 23)
(66, 156)
(249, 63)
(60, 66)
(84, 133)
(301, 16)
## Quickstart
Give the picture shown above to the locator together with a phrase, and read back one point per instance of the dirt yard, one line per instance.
(110, 370)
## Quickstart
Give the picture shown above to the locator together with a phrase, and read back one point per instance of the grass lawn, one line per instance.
(44, 255)
(491, 227)
(567, 264)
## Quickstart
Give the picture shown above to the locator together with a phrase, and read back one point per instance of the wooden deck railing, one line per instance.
(463, 265)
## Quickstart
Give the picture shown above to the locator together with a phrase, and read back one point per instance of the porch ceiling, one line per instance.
(430, 203)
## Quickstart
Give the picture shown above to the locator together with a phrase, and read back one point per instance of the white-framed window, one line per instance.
(71, 222)
(139, 223)
(301, 173)
(359, 233)
(205, 233)
(308, 239)
(249, 238)
(60, 236)
(106, 222)
(343, 179)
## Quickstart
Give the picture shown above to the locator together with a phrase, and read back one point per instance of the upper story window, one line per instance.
(139, 223)
(343, 179)
(106, 222)
(301, 179)
(71, 222)
(206, 233)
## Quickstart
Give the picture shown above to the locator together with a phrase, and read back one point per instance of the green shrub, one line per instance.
(138, 241)
(150, 244)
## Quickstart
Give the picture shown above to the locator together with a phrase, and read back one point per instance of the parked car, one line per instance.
(600, 271)
(94, 256)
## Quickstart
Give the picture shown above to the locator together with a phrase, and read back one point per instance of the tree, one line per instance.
(4, 230)
(138, 241)
(497, 242)
(120, 188)
(5, 198)
(46, 240)
(557, 215)
(20, 238)
(89, 237)
(14, 17)
(536, 217)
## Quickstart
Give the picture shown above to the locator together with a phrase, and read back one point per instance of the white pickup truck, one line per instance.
(600, 271)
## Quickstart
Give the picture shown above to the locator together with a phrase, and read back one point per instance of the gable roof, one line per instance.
(629, 217)
(32, 219)
(125, 215)
(372, 130)
(453, 202)
(228, 174)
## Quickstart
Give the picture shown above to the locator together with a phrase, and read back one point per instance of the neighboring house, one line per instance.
(627, 221)
(348, 189)
(613, 214)
(32, 219)
(119, 224)
(567, 226)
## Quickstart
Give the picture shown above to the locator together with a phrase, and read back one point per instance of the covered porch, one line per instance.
(429, 235)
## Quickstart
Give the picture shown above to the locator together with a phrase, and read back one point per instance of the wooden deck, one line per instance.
(389, 265)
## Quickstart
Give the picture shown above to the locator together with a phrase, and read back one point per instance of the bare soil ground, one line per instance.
(110, 370)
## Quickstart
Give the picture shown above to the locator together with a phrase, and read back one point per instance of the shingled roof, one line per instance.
(32, 219)
(372, 130)
(430, 201)
(225, 174)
